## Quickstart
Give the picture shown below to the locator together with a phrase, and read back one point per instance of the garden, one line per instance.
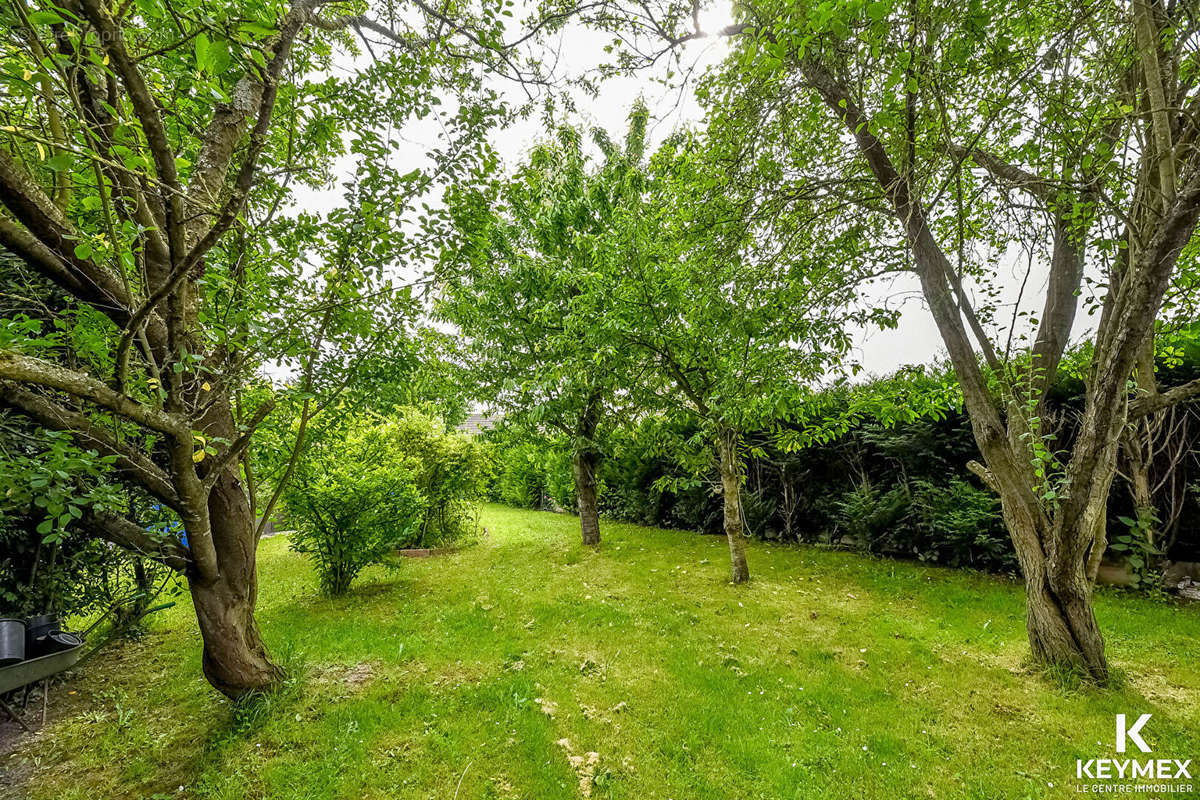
(601, 399)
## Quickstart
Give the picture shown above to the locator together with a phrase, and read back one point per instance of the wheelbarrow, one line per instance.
(68, 652)
(28, 672)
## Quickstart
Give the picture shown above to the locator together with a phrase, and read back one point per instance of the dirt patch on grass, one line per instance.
(584, 765)
(1154, 686)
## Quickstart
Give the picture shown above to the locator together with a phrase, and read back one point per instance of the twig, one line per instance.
(460, 779)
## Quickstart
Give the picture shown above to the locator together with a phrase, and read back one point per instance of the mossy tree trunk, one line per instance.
(584, 461)
(731, 495)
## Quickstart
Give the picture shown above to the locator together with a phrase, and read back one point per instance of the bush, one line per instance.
(353, 501)
(360, 494)
(521, 473)
(865, 515)
(48, 565)
(450, 472)
(958, 525)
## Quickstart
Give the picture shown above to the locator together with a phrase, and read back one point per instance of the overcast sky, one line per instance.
(915, 341)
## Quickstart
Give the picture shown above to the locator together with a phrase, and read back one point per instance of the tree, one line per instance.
(728, 326)
(147, 150)
(523, 256)
(1067, 131)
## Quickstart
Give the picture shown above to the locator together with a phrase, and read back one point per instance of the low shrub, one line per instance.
(866, 514)
(959, 525)
(352, 501)
(450, 472)
(47, 564)
(358, 496)
(530, 471)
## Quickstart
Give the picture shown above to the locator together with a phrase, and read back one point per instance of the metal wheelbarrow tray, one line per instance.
(33, 670)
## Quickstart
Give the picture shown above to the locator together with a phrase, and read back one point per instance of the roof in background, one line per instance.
(474, 423)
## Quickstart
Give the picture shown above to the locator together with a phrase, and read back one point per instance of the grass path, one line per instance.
(495, 673)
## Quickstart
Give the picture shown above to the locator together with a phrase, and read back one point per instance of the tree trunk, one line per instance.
(1137, 446)
(584, 462)
(731, 486)
(1059, 620)
(235, 659)
(1061, 626)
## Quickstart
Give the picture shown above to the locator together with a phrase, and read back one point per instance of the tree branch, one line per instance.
(1160, 401)
(1010, 174)
(48, 244)
(132, 464)
(31, 370)
(123, 533)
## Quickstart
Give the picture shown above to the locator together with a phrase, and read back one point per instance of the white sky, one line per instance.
(915, 341)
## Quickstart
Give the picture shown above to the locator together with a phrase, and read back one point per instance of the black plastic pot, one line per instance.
(61, 640)
(39, 626)
(12, 641)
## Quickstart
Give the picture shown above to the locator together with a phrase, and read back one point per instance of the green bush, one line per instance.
(560, 480)
(49, 565)
(353, 500)
(362, 493)
(451, 474)
(866, 514)
(520, 474)
(959, 525)
(956, 524)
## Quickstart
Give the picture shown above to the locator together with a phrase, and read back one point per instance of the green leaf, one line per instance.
(45, 18)
(202, 46)
(257, 29)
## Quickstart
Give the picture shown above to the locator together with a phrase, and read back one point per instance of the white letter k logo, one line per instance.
(1131, 734)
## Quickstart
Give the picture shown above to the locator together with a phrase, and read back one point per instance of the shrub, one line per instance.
(520, 474)
(367, 490)
(958, 525)
(450, 472)
(48, 565)
(560, 480)
(866, 514)
(353, 500)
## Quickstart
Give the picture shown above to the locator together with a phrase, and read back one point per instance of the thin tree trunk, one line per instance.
(731, 486)
(584, 463)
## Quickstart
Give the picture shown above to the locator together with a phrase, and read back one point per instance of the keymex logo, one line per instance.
(1129, 739)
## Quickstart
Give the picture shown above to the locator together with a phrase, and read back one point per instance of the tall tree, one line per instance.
(145, 150)
(1069, 131)
(520, 260)
(729, 325)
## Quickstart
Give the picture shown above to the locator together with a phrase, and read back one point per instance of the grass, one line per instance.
(495, 671)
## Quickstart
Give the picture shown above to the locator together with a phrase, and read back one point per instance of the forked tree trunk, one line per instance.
(235, 659)
(584, 462)
(731, 494)
(1055, 555)
(1061, 625)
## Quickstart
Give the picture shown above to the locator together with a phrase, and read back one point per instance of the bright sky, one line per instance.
(915, 341)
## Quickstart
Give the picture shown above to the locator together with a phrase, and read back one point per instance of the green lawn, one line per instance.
(496, 671)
